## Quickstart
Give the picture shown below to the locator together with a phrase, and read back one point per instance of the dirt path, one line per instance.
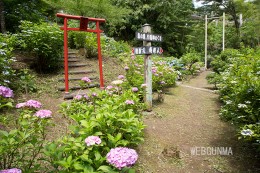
(189, 118)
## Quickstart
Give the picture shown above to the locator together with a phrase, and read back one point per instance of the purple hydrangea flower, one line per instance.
(33, 104)
(86, 79)
(92, 140)
(121, 157)
(121, 77)
(129, 102)
(43, 113)
(6, 92)
(134, 89)
(13, 170)
(162, 82)
(86, 97)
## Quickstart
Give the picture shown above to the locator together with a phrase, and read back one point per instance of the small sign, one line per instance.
(148, 37)
(146, 50)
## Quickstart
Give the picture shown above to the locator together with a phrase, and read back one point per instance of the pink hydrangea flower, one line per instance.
(86, 79)
(121, 157)
(86, 97)
(6, 92)
(20, 105)
(13, 170)
(33, 104)
(43, 113)
(94, 94)
(109, 87)
(29, 104)
(129, 102)
(121, 77)
(134, 89)
(154, 70)
(92, 140)
(78, 97)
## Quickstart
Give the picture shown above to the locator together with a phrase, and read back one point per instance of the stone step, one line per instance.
(77, 78)
(81, 72)
(72, 60)
(78, 87)
(77, 65)
(72, 53)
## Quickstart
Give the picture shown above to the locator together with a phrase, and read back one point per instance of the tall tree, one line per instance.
(91, 8)
(17, 10)
(2, 17)
(170, 18)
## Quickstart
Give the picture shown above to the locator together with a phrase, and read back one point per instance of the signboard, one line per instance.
(146, 50)
(148, 37)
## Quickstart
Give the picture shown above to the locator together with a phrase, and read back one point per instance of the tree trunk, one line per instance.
(2, 17)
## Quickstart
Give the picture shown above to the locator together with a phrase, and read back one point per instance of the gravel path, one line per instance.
(188, 118)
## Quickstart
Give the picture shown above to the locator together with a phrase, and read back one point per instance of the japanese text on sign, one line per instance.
(148, 37)
(147, 50)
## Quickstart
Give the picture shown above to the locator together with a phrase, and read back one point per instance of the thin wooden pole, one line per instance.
(148, 71)
(206, 41)
(223, 41)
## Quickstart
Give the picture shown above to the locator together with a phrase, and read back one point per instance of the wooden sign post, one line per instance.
(148, 71)
(147, 37)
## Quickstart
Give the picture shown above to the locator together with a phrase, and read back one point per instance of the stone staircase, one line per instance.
(78, 68)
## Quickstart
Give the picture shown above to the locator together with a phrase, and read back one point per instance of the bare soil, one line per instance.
(189, 118)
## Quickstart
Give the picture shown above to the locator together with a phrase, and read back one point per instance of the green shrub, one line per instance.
(237, 78)
(22, 143)
(45, 42)
(163, 75)
(104, 114)
(113, 48)
(7, 43)
(88, 40)
(189, 60)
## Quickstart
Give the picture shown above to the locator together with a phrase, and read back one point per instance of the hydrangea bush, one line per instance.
(103, 120)
(45, 41)
(237, 77)
(163, 75)
(22, 145)
(5, 97)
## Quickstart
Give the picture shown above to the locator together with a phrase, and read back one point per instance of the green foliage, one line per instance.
(29, 10)
(22, 145)
(7, 74)
(167, 17)
(189, 60)
(104, 114)
(114, 48)
(88, 41)
(237, 78)
(45, 41)
(163, 75)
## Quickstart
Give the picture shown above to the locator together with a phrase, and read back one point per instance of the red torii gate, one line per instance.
(83, 27)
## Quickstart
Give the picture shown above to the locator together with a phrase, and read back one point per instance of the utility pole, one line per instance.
(223, 38)
(206, 40)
